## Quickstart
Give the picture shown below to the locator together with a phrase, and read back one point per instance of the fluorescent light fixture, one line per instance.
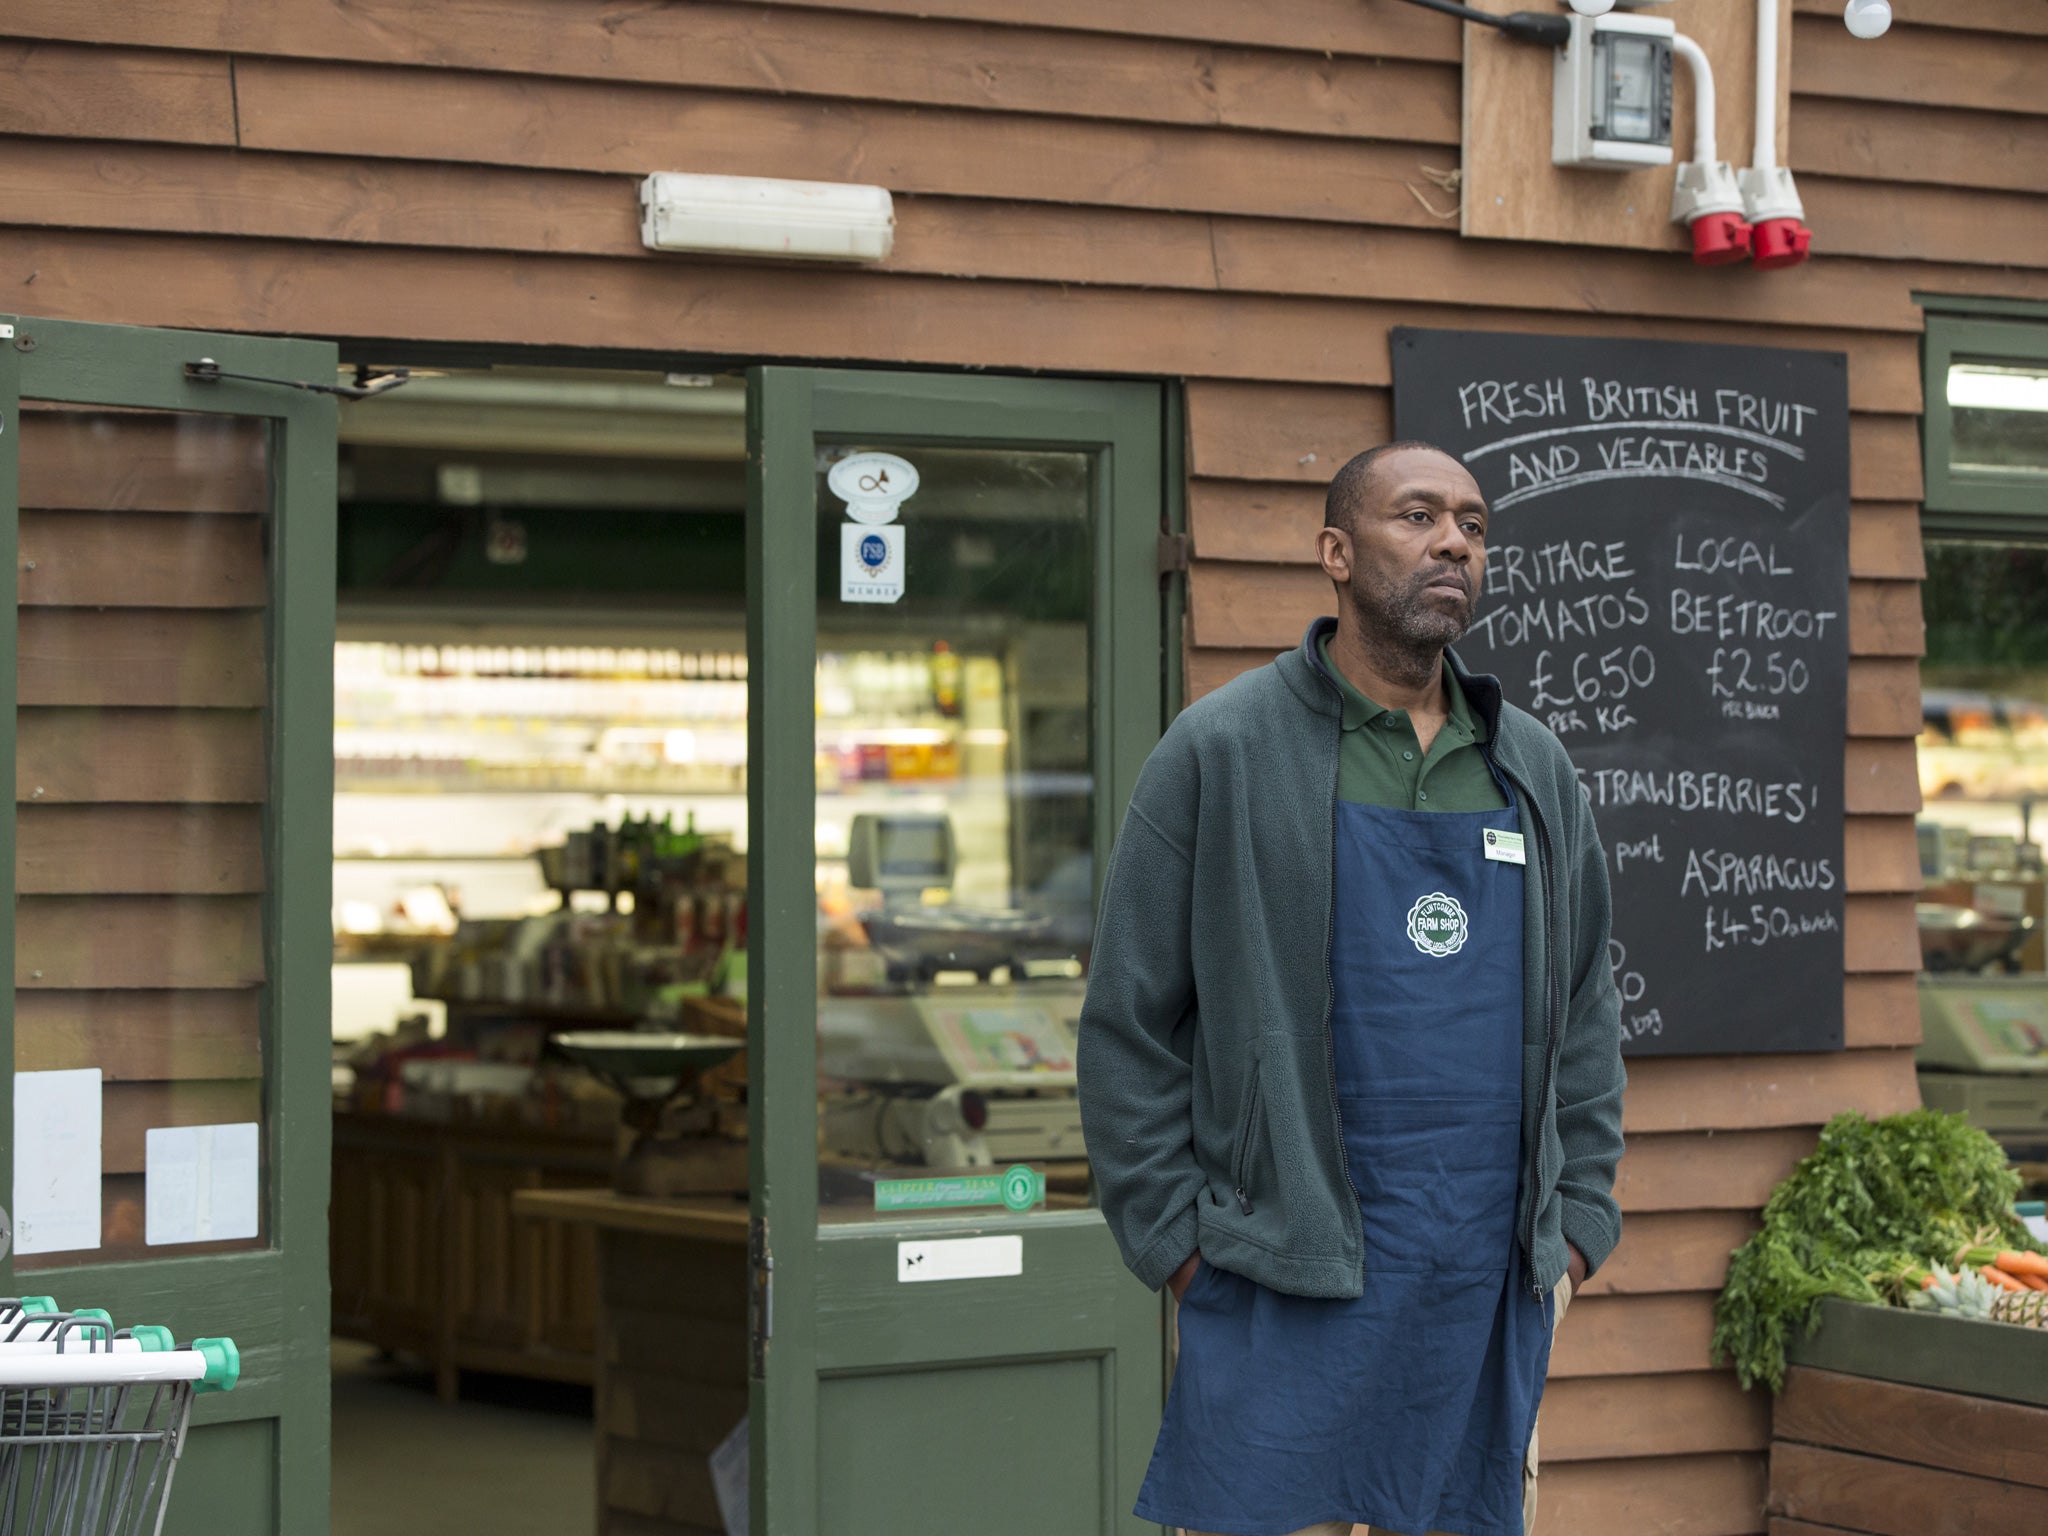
(1986, 388)
(761, 216)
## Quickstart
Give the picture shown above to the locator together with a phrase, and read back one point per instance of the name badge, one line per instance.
(1505, 847)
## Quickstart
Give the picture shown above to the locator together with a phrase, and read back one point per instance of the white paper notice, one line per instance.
(729, 1481)
(201, 1184)
(960, 1258)
(870, 563)
(56, 1161)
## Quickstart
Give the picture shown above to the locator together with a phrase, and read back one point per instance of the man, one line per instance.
(1350, 1060)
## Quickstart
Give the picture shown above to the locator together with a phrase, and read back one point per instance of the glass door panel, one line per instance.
(142, 685)
(955, 833)
(956, 661)
(168, 500)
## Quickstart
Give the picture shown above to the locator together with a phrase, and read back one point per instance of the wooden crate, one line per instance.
(1903, 1424)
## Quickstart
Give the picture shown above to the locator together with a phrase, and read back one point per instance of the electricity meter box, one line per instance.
(1611, 97)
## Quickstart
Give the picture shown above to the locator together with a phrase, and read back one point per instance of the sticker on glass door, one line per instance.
(874, 487)
(870, 563)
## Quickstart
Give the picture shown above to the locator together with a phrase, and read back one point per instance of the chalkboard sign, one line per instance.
(1667, 587)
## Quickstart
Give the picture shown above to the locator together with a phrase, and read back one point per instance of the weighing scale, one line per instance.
(957, 1077)
(1984, 1052)
(669, 1144)
(964, 1057)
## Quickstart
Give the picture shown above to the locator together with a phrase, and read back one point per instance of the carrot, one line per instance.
(2014, 1263)
(2033, 1282)
(2000, 1278)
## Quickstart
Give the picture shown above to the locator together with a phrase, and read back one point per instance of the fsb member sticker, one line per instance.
(1437, 924)
(870, 563)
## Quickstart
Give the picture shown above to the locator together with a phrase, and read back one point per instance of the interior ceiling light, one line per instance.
(1982, 387)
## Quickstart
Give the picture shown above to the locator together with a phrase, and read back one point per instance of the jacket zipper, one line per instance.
(1543, 854)
(1249, 1128)
(1330, 996)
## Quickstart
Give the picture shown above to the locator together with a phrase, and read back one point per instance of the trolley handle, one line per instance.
(144, 1339)
(17, 1311)
(80, 1328)
(211, 1365)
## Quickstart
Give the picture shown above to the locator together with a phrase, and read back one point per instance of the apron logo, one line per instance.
(1437, 924)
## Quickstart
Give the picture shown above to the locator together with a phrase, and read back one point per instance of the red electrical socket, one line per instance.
(1780, 243)
(1720, 239)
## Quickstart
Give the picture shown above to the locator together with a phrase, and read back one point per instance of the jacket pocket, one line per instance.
(1250, 1122)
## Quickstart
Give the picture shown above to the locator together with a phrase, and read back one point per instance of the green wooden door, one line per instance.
(169, 693)
(950, 700)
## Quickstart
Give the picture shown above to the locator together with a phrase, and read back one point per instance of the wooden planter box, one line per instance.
(1896, 1423)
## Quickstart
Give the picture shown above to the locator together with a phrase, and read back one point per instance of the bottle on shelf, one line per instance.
(946, 677)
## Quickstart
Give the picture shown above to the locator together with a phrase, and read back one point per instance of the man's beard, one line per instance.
(1405, 628)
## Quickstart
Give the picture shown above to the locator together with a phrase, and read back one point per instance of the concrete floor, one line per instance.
(513, 1458)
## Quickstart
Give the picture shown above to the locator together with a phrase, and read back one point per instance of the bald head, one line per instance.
(1355, 485)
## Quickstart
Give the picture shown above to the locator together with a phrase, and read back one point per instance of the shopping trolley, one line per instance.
(93, 1418)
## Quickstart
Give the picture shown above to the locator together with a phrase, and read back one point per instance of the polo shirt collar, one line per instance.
(1463, 724)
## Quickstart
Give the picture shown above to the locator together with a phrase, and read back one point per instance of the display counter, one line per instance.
(429, 1257)
(1899, 1423)
(672, 1348)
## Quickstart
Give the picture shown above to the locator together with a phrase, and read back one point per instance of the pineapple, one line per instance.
(2029, 1309)
(1964, 1294)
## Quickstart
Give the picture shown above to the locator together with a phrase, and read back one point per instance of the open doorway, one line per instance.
(539, 829)
(541, 834)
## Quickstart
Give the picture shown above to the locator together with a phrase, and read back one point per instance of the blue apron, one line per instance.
(1410, 1408)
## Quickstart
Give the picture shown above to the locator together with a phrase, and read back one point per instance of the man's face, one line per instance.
(1415, 560)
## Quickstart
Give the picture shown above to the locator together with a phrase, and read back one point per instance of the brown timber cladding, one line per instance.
(1232, 195)
(140, 773)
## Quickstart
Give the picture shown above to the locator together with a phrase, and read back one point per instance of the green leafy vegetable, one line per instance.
(1877, 1203)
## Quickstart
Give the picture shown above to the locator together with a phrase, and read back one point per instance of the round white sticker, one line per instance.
(874, 486)
(1437, 924)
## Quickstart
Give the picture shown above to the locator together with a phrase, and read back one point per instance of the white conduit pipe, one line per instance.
(1769, 198)
(1702, 98)
(1766, 156)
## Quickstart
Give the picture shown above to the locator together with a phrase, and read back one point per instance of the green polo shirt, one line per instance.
(1382, 763)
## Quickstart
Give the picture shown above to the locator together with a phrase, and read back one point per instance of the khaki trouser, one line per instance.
(1346, 1528)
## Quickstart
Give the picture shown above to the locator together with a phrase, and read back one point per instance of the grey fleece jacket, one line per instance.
(1205, 1053)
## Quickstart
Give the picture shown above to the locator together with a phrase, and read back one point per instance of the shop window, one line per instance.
(1986, 426)
(1984, 706)
(1983, 906)
(1983, 748)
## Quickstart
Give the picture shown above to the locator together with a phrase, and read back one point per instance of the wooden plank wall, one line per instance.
(140, 772)
(1244, 197)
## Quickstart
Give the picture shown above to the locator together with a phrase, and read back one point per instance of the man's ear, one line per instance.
(1333, 553)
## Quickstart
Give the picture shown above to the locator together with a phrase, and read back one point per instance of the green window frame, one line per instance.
(1965, 503)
